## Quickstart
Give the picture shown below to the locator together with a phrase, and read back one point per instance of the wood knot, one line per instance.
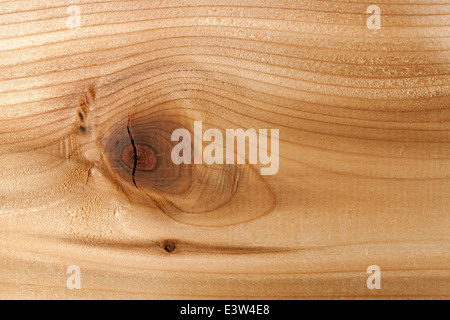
(169, 246)
(139, 153)
(140, 156)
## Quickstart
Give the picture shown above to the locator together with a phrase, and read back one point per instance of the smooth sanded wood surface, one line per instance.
(364, 123)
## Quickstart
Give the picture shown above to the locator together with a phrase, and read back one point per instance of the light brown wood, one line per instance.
(364, 122)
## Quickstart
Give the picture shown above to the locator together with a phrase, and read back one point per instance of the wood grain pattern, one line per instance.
(364, 121)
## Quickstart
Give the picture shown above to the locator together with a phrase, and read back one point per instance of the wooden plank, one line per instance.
(363, 117)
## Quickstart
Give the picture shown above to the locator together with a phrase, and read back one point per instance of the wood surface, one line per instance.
(364, 122)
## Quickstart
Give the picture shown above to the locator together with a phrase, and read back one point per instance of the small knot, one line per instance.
(169, 246)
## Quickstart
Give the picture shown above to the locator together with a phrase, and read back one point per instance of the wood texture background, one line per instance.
(364, 120)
